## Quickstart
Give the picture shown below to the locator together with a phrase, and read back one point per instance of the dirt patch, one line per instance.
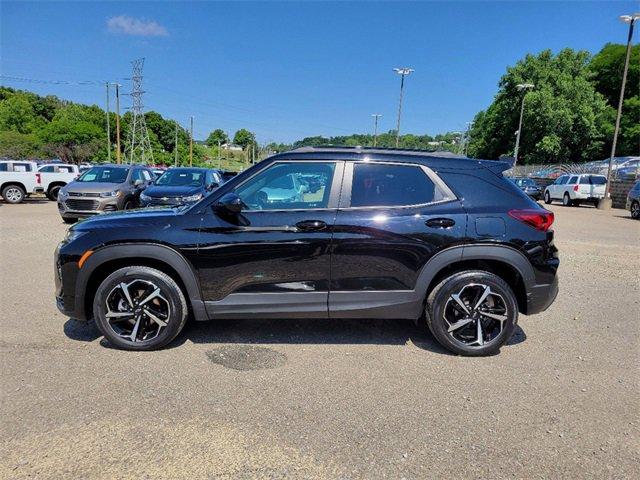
(247, 357)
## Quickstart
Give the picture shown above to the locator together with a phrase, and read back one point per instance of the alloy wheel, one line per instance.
(137, 311)
(475, 315)
(635, 210)
(13, 194)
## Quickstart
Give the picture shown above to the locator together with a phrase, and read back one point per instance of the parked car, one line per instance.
(103, 189)
(385, 236)
(18, 180)
(633, 200)
(180, 186)
(576, 189)
(55, 176)
(528, 186)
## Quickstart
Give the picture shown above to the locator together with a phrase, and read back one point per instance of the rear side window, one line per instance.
(573, 180)
(47, 169)
(385, 185)
(21, 167)
(3, 167)
(597, 180)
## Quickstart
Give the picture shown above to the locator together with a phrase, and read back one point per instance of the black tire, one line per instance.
(635, 210)
(52, 194)
(139, 278)
(547, 197)
(438, 304)
(128, 204)
(566, 200)
(69, 220)
(13, 194)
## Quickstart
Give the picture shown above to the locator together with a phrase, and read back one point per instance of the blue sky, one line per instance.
(289, 70)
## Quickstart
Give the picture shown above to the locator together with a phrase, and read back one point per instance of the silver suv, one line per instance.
(102, 189)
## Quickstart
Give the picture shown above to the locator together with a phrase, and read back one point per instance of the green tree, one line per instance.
(218, 135)
(564, 118)
(16, 113)
(244, 138)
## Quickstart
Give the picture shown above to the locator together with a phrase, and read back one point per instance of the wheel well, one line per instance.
(503, 270)
(55, 184)
(17, 184)
(107, 268)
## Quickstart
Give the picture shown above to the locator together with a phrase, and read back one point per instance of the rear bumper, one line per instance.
(540, 297)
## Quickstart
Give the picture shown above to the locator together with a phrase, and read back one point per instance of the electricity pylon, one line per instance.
(138, 147)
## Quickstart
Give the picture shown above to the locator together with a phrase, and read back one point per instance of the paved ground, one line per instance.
(325, 399)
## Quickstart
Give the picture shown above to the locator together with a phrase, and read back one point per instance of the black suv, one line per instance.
(386, 234)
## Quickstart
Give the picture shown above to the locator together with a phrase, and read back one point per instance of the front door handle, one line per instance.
(440, 222)
(311, 225)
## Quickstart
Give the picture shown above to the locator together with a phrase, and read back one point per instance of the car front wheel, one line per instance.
(472, 313)
(139, 308)
(635, 210)
(13, 194)
(547, 197)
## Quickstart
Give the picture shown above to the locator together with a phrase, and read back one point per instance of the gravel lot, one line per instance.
(325, 399)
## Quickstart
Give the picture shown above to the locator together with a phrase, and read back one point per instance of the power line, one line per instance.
(50, 82)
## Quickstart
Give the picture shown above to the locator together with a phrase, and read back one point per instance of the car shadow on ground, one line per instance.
(299, 331)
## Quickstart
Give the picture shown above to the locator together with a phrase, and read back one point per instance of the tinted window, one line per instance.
(391, 185)
(282, 186)
(3, 167)
(146, 175)
(525, 182)
(597, 180)
(46, 169)
(104, 174)
(573, 180)
(561, 180)
(181, 178)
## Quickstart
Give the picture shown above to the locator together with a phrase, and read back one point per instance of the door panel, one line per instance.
(379, 252)
(270, 262)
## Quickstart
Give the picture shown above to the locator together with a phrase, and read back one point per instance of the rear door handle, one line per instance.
(440, 223)
(311, 225)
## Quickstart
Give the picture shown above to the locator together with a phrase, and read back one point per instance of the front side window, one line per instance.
(386, 185)
(561, 180)
(66, 169)
(104, 175)
(289, 186)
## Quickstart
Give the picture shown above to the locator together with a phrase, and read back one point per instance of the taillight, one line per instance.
(575, 188)
(539, 219)
(38, 180)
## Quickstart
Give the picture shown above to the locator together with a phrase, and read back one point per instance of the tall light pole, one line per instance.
(521, 87)
(375, 116)
(605, 203)
(403, 72)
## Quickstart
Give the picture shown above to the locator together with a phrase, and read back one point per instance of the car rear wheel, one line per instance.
(128, 205)
(547, 197)
(13, 194)
(635, 210)
(566, 200)
(472, 313)
(139, 308)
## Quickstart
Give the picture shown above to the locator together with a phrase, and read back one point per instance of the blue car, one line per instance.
(181, 186)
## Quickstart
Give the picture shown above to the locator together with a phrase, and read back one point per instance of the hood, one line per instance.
(158, 191)
(91, 187)
(125, 218)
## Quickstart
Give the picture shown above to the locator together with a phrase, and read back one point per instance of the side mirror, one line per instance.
(229, 203)
(138, 182)
(212, 185)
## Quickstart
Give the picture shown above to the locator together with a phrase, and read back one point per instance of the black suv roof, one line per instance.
(433, 159)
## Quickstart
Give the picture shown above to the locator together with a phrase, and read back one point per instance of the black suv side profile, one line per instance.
(382, 234)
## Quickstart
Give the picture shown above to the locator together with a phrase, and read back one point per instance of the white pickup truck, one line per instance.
(54, 176)
(19, 179)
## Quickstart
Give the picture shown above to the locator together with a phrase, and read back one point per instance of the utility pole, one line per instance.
(605, 203)
(118, 160)
(219, 156)
(175, 147)
(403, 71)
(253, 153)
(108, 126)
(521, 87)
(191, 144)
(375, 116)
(466, 139)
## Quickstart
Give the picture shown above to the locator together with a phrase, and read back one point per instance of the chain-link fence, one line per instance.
(623, 168)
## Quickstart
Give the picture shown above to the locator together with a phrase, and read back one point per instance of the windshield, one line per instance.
(181, 178)
(104, 175)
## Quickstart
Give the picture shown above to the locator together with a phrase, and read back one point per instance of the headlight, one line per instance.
(115, 193)
(192, 198)
(73, 235)
(62, 193)
(144, 197)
